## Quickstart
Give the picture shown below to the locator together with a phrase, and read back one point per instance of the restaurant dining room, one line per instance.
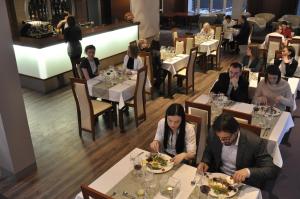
(149, 99)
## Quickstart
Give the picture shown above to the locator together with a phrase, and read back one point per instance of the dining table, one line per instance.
(119, 179)
(172, 65)
(229, 33)
(279, 125)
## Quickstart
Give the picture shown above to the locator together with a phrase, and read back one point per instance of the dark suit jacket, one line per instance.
(289, 68)
(255, 65)
(86, 64)
(242, 37)
(251, 154)
(238, 95)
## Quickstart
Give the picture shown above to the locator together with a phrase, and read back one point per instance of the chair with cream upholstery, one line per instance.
(218, 29)
(138, 102)
(251, 128)
(216, 54)
(268, 17)
(197, 121)
(187, 73)
(274, 44)
(174, 36)
(147, 61)
(204, 112)
(296, 44)
(88, 193)
(240, 116)
(88, 110)
(294, 20)
(189, 44)
(180, 46)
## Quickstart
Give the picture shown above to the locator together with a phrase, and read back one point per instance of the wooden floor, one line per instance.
(64, 160)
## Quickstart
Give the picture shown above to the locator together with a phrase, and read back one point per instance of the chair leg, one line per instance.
(121, 121)
(110, 115)
(94, 135)
(115, 115)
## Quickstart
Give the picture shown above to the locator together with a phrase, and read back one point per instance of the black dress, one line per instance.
(72, 35)
(290, 68)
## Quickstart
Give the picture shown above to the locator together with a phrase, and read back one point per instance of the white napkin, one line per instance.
(242, 107)
(203, 99)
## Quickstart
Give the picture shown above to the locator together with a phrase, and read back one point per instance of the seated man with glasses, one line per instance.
(232, 84)
(236, 153)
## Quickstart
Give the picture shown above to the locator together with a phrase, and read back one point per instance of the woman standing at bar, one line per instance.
(72, 35)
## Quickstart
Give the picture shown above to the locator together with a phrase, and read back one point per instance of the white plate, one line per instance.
(221, 175)
(164, 169)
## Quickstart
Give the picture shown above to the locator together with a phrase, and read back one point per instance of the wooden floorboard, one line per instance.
(64, 160)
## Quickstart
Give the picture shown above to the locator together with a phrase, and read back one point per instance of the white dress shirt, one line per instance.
(138, 63)
(228, 157)
(190, 138)
(227, 25)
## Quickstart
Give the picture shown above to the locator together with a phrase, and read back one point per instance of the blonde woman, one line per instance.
(207, 31)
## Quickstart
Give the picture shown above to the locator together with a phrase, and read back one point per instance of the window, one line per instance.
(217, 5)
(204, 6)
(207, 6)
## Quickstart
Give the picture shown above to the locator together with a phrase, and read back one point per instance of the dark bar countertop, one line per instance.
(59, 38)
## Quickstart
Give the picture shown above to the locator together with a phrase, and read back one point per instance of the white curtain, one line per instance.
(147, 13)
(238, 8)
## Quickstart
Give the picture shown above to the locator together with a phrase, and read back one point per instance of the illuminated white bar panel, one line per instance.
(44, 63)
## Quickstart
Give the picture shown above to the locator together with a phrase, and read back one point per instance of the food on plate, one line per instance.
(156, 162)
(221, 186)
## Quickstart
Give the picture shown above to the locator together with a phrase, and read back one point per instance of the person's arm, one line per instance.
(97, 62)
(83, 67)
(85, 73)
(125, 62)
(258, 96)
(217, 86)
(61, 24)
(287, 99)
(241, 92)
(291, 68)
(157, 144)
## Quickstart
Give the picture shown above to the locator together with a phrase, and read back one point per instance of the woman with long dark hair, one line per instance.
(175, 136)
(72, 35)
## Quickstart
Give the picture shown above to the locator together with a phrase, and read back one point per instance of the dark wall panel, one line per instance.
(119, 8)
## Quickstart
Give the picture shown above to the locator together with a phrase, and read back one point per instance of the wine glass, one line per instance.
(202, 187)
(137, 165)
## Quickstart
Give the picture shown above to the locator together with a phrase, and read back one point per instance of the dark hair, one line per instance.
(65, 14)
(89, 47)
(291, 49)
(254, 50)
(284, 23)
(175, 110)
(273, 70)
(228, 17)
(244, 18)
(277, 26)
(236, 65)
(226, 123)
(71, 21)
(134, 50)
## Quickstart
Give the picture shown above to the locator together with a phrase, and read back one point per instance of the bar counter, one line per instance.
(45, 60)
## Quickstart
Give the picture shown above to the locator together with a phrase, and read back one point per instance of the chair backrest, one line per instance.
(191, 66)
(263, 55)
(83, 103)
(203, 107)
(218, 29)
(89, 193)
(250, 33)
(174, 36)
(79, 72)
(147, 61)
(296, 44)
(274, 43)
(180, 46)
(245, 74)
(139, 94)
(197, 121)
(239, 115)
(189, 43)
(251, 128)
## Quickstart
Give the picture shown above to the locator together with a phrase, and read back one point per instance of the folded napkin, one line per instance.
(203, 99)
(242, 107)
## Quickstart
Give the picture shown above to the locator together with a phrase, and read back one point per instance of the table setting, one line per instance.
(131, 178)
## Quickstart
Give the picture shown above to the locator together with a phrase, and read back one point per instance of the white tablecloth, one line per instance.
(173, 65)
(207, 46)
(293, 82)
(118, 93)
(185, 173)
(284, 123)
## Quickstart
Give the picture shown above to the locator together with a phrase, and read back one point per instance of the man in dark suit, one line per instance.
(232, 84)
(237, 153)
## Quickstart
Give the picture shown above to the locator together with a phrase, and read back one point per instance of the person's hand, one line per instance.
(285, 59)
(178, 158)
(202, 167)
(262, 100)
(278, 99)
(235, 82)
(240, 175)
(155, 146)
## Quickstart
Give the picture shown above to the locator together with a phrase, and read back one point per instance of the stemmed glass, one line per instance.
(202, 187)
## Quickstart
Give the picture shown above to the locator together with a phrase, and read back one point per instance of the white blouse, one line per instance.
(190, 138)
(138, 63)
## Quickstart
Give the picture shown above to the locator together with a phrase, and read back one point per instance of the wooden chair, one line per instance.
(189, 43)
(239, 115)
(88, 193)
(197, 121)
(174, 35)
(147, 60)
(180, 45)
(138, 102)
(202, 107)
(88, 110)
(216, 54)
(218, 29)
(187, 73)
(274, 43)
(251, 128)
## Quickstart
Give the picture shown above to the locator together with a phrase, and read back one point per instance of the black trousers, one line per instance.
(74, 61)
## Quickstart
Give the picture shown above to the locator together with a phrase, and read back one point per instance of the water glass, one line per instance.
(169, 187)
(137, 165)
